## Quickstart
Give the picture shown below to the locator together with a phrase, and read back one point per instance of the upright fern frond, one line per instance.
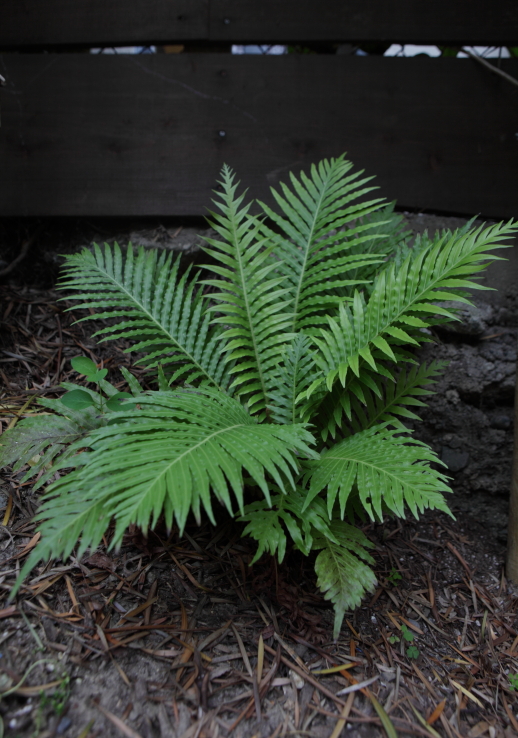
(154, 306)
(316, 258)
(387, 238)
(402, 303)
(253, 305)
(297, 371)
(388, 470)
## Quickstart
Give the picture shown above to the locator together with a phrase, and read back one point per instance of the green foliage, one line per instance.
(394, 577)
(412, 652)
(513, 681)
(407, 634)
(285, 378)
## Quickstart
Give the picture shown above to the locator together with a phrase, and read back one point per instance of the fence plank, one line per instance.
(133, 135)
(101, 22)
(119, 22)
(400, 21)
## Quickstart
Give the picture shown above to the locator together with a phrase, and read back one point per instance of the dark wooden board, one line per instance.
(399, 21)
(147, 135)
(119, 22)
(101, 22)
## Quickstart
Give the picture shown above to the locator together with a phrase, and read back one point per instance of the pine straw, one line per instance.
(171, 637)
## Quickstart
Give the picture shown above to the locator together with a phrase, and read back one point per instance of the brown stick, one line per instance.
(489, 66)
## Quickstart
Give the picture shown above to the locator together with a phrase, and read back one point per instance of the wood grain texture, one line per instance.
(126, 135)
(119, 22)
(101, 22)
(400, 21)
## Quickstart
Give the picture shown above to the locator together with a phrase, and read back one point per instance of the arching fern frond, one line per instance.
(349, 410)
(387, 468)
(252, 304)
(154, 306)
(45, 438)
(178, 450)
(404, 301)
(316, 256)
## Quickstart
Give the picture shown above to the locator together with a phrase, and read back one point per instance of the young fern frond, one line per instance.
(387, 468)
(402, 303)
(163, 312)
(316, 260)
(296, 372)
(252, 303)
(343, 576)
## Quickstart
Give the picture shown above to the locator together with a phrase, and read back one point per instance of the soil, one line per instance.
(163, 639)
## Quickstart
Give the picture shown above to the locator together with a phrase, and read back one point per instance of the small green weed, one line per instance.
(513, 681)
(394, 577)
(58, 699)
(412, 652)
(55, 702)
(407, 634)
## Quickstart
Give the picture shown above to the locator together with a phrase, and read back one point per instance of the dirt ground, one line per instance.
(171, 637)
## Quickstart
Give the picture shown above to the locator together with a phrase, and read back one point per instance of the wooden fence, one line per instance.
(87, 134)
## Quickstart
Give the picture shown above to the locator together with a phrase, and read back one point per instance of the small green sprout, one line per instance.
(394, 577)
(513, 681)
(393, 639)
(407, 634)
(412, 652)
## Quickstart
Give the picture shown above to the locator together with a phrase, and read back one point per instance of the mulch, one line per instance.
(173, 637)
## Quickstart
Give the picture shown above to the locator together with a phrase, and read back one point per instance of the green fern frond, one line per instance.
(153, 305)
(349, 410)
(46, 438)
(343, 577)
(252, 304)
(402, 302)
(267, 523)
(296, 373)
(169, 457)
(316, 256)
(388, 239)
(386, 467)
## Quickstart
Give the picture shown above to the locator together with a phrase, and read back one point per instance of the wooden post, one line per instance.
(512, 535)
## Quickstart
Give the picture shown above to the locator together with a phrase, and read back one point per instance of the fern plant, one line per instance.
(285, 377)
